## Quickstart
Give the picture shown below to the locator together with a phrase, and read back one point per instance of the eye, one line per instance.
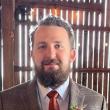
(41, 46)
(57, 46)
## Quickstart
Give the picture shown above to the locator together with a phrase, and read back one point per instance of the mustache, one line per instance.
(51, 61)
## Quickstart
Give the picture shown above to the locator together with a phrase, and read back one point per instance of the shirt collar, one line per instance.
(62, 89)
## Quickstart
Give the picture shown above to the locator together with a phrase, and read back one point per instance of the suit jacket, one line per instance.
(26, 97)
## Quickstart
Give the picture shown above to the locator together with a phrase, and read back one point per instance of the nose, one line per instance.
(51, 52)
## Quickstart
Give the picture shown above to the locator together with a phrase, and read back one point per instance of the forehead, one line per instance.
(51, 33)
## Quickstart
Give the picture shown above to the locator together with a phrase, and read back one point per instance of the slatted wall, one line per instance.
(89, 21)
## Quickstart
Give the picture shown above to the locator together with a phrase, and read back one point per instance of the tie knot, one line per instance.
(52, 94)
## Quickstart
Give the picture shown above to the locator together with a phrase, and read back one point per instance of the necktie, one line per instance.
(53, 104)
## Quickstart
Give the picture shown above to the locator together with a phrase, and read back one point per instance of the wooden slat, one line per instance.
(92, 70)
(81, 27)
(96, 28)
(63, 5)
(0, 51)
(8, 37)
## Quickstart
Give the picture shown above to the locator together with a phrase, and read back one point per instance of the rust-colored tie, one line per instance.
(53, 103)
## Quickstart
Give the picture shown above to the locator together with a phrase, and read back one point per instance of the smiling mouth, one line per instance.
(51, 66)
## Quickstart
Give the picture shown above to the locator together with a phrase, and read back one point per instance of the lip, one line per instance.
(51, 66)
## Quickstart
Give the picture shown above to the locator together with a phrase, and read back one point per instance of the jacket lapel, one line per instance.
(76, 97)
(33, 96)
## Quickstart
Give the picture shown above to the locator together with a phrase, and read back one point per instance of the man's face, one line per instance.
(52, 55)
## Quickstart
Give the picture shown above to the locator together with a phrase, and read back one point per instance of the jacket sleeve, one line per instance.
(0, 102)
(104, 104)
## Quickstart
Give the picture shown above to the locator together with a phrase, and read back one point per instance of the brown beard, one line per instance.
(52, 78)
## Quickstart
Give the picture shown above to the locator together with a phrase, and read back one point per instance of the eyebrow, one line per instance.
(43, 42)
(57, 41)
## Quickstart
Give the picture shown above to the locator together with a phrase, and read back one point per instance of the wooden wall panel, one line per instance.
(7, 20)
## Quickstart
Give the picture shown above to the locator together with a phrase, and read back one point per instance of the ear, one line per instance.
(73, 55)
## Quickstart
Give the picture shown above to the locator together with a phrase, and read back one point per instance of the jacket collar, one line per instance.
(76, 98)
(34, 96)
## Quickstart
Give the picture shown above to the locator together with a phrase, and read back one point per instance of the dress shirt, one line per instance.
(63, 98)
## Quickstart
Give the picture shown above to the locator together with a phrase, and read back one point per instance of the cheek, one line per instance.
(37, 58)
(65, 63)
(65, 58)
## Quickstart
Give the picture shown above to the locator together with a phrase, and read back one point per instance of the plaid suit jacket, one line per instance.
(25, 97)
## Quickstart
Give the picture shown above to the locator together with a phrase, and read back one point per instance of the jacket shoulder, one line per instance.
(14, 97)
(21, 87)
(87, 91)
(93, 99)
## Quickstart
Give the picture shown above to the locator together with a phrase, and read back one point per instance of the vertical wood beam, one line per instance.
(108, 14)
(7, 20)
(108, 24)
(0, 49)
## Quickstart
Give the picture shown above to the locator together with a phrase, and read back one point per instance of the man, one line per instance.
(53, 53)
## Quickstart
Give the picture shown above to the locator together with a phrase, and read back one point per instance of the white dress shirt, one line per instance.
(63, 98)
